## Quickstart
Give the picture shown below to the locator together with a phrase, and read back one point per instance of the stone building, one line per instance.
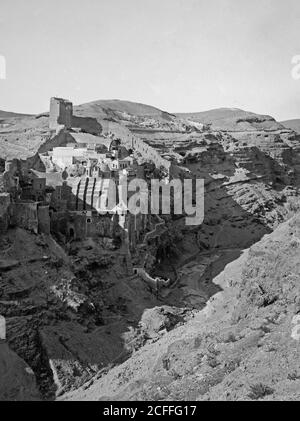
(66, 201)
(61, 113)
(4, 212)
(22, 198)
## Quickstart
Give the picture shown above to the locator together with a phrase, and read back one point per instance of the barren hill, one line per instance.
(94, 108)
(233, 119)
(292, 124)
(8, 114)
(22, 136)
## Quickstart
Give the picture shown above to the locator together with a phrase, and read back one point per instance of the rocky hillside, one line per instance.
(243, 345)
(7, 114)
(73, 316)
(292, 124)
(233, 119)
(17, 380)
(21, 137)
(100, 108)
(66, 311)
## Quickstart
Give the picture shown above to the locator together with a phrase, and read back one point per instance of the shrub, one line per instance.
(293, 205)
(259, 391)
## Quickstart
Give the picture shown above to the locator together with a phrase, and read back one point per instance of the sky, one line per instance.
(177, 55)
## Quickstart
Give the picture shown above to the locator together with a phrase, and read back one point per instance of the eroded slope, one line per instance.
(243, 345)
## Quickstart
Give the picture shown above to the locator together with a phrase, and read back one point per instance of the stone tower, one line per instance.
(61, 112)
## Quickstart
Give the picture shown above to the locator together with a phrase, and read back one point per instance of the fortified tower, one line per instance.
(61, 113)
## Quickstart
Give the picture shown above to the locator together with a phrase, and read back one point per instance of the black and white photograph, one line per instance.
(149, 203)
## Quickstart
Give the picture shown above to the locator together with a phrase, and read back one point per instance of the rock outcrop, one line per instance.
(17, 380)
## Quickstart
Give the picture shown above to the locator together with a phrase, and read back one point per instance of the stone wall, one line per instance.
(31, 216)
(9, 180)
(149, 153)
(71, 225)
(25, 215)
(132, 141)
(82, 225)
(100, 226)
(43, 219)
(61, 112)
(4, 212)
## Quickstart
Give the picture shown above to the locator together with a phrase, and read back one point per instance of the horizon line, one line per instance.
(153, 106)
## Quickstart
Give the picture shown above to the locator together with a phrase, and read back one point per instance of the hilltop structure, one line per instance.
(59, 190)
(61, 113)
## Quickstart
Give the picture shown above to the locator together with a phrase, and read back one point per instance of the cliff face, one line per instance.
(243, 345)
(67, 311)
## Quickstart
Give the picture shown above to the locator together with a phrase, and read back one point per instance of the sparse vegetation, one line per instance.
(259, 391)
